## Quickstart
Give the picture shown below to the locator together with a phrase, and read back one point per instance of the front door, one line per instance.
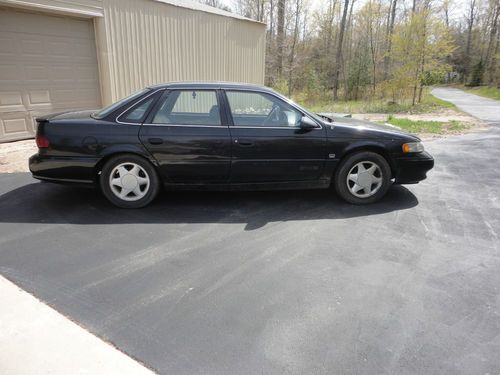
(268, 143)
(189, 138)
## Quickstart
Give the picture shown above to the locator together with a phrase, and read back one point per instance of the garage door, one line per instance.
(47, 64)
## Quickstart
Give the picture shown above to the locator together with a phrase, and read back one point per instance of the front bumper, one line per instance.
(414, 168)
(64, 169)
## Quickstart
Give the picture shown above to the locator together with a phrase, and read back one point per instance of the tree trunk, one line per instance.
(280, 36)
(338, 56)
(470, 24)
(387, 58)
(446, 6)
(490, 68)
(270, 63)
(292, 49)
(373, 56)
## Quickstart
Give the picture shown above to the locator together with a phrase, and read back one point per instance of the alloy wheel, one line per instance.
(129, 181)
(364, 179)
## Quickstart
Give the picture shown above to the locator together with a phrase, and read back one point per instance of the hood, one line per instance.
(70, 115)
(362, 124)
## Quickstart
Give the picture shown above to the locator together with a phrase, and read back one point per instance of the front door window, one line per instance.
(254, 109)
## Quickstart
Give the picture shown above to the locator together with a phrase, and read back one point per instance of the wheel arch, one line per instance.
(113, 153)
(369, 146)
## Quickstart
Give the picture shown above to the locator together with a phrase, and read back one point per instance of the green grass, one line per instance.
(433, 127)
(428, 104)
(487, 92)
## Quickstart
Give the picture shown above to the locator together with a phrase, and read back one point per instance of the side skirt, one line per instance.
(254, 186)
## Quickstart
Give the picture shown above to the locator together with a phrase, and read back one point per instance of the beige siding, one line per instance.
(144, 42)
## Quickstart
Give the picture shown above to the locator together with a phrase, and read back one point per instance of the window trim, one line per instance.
(167, 92)
(253, 90)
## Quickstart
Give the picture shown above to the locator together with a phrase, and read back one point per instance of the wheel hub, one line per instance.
(129, 181)
(365, 179)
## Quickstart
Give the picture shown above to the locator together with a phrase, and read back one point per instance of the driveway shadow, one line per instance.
(57, 204)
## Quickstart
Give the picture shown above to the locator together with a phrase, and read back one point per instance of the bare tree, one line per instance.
(390, 31)
(490, 61)
(280, 36)
(470, 19)
(338, 55)
(297, 10)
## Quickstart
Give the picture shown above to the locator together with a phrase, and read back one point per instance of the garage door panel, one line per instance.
(47, 64)
(61, 73)
(8, 72)
(10, 99)
(37, 97)
(35, 73)
(82, 98)
(16, 125)
(7, 46)
(32, 48)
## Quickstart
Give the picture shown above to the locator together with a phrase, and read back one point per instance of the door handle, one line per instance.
(155, 141)
(244, 142)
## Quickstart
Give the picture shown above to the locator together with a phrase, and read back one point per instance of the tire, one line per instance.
(362, 178)
(129, 181)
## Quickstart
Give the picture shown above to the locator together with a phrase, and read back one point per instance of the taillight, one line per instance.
(41, 141)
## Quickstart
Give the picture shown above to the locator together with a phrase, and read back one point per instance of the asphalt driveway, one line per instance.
(277, 282)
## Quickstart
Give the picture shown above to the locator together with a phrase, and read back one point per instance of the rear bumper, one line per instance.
(63, 169)
(412, 169)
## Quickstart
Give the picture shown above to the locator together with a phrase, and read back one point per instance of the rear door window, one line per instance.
(189, 107)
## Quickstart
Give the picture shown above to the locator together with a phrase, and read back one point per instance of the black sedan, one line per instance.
(222, 136)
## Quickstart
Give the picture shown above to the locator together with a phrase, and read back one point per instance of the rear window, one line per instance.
(111, 108)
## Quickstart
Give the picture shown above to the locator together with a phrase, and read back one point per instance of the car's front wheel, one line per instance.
(129, 181)
(363, 177)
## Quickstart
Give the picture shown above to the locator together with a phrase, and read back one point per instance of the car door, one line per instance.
(268, 143)
(189, 137)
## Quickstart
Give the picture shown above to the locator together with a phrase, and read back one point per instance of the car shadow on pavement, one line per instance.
(57, 204)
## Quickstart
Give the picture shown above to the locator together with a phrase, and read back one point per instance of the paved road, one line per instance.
(483, 108)
(281, 282)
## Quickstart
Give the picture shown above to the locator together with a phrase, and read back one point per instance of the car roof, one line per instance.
(210, 85)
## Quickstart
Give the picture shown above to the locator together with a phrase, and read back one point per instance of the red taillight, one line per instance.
(41, 141)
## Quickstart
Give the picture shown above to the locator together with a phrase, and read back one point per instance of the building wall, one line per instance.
(144, 42)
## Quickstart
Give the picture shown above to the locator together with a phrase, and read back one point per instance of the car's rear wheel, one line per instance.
(363, 177)
(129, 181)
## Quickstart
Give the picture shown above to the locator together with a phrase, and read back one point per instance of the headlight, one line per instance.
(413, 147)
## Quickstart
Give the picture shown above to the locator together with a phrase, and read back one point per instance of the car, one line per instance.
(199, 135)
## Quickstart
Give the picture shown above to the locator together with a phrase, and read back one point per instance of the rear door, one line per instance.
(189, 137)
(268, 143)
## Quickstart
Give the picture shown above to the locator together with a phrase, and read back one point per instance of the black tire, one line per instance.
(149, 190)
(341, 183)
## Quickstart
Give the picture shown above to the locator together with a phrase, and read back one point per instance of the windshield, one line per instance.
(110, 108)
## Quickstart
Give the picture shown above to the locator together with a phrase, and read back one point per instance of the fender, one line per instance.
(365, 144)
(350, 146)
(137, 149)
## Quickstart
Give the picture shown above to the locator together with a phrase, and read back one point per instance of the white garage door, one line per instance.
(47, 64)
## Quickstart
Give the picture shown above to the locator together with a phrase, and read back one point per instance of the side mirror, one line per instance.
(307, 124)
